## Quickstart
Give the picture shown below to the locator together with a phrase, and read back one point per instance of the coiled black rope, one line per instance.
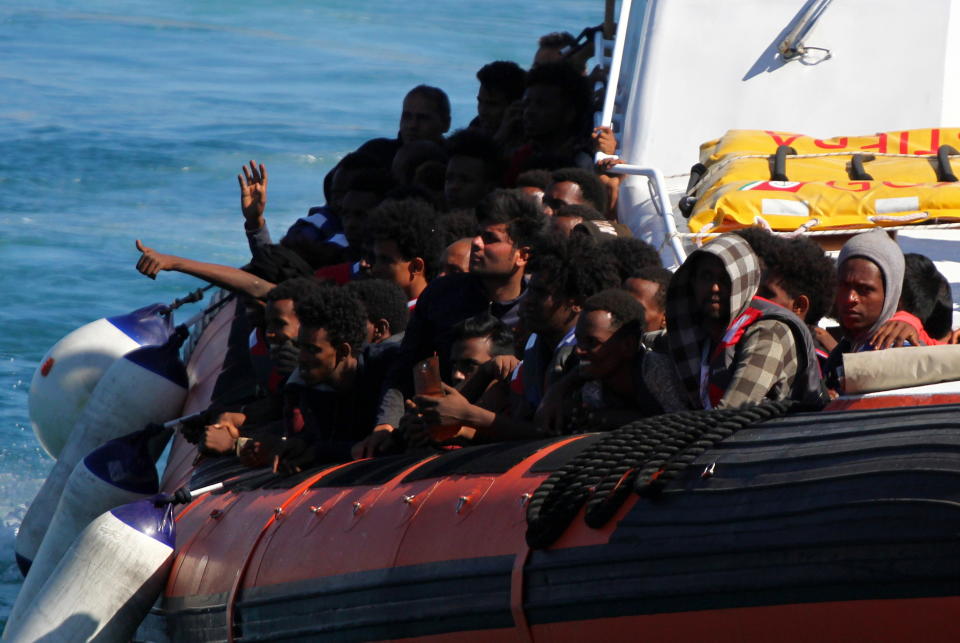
(642, 456)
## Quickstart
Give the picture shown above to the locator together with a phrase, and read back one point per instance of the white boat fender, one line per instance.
(107, 580)
(119, 472)
(70, 370)
(147, 385)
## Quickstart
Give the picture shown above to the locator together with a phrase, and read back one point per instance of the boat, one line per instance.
(833, 524)
(740, 526)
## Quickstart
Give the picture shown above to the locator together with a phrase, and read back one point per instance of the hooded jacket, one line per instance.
(878, 247)
(884, 252)
(685, 333)
(766, 354)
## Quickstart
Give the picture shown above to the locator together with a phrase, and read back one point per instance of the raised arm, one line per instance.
(152, 262)
(253, 195)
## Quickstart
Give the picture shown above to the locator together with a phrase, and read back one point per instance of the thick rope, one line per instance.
(642, 456)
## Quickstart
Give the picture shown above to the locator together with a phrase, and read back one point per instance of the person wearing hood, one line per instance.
(869, 283)
(730, 346)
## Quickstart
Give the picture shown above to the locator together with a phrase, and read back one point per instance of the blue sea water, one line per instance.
(126, 120)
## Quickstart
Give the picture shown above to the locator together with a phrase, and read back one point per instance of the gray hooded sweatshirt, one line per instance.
(878, 247)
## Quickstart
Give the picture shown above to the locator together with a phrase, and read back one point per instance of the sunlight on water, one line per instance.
(119, 126)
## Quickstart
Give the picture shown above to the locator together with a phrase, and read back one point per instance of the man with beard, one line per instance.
(731, 347)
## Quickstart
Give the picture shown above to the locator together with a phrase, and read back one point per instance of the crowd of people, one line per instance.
(476, 287)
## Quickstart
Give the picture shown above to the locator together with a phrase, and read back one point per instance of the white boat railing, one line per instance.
(661, 200)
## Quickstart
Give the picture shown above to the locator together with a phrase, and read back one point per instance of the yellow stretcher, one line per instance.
(790, 181)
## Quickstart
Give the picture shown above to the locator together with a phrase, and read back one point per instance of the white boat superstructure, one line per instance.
(685, 71)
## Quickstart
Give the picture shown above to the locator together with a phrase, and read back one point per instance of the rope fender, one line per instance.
(642, 456)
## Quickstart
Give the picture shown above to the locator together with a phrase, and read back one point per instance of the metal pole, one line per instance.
(613, 78)
(608, 24)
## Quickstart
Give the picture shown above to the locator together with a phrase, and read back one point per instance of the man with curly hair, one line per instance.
(799, 276)
(282, 326)
(630, 254)
(474, 169)
(330, 401)
(574, 186)
(508, 225)
(406, 245)
(386, 306)
(566, 272)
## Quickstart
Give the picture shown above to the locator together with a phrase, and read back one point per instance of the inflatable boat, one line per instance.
(748, 525)
(833, 525)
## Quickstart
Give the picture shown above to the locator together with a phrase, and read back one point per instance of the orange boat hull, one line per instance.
(836, 526)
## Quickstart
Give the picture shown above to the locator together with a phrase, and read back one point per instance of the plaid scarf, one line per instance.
(685, 334)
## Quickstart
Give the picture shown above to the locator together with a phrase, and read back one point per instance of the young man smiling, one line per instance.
(621, 379)
(330, 401)
(282, 326)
